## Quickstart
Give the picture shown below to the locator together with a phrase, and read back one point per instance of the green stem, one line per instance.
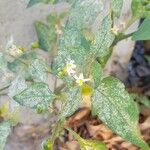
(77, 137)
(121, 37)
(4, 88)
(3, 94)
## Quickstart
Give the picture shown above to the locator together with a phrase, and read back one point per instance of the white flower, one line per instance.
(58, 30)
(14, 51)
(70, 67)
(115, 30)
(80, 80)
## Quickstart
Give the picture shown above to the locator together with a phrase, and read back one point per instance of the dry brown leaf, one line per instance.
(79, 117)
(99, 131)
(73, 145)
(146, 124)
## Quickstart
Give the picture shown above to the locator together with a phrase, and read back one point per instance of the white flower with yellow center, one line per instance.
(70, 68)
(80, 80)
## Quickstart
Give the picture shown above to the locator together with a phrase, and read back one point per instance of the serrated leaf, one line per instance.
(117, 7)
(35, 95)
(103, 39)
(96, 73)
(88, 144)
(81, 13)
(38, 70)
(139, 9)
(72, 103)
(72, 46)
(143, 32)
(46, 35)
(113, 105)
(17, 86)
(92, 145)
(16, 65)
(4, 132)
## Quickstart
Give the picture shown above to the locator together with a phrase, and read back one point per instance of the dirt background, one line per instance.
(17, 21)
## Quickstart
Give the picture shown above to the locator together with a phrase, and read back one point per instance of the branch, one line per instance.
(121, 37)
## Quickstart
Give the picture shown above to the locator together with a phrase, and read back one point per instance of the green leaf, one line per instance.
(48, 145)
(113, 105)
(72, 103)
(35, 95)
(17, 64)
(92, 144)
(88, 144)
(33, 2)
(82, 14)
(38, 70)
(14, 66)
(145, 101)
(3, 62)
(46, 36)
(142, 99)
(55, 18)
(96, 73)
(117, 7)
(72, 46)
(17, 86)
(140, 9)
(143, 32)
(4, 132)
(103, 39)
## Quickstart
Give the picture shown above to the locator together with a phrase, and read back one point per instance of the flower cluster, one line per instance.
(70, 70)
(12, 49)
(15, 51)
(115, 30)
